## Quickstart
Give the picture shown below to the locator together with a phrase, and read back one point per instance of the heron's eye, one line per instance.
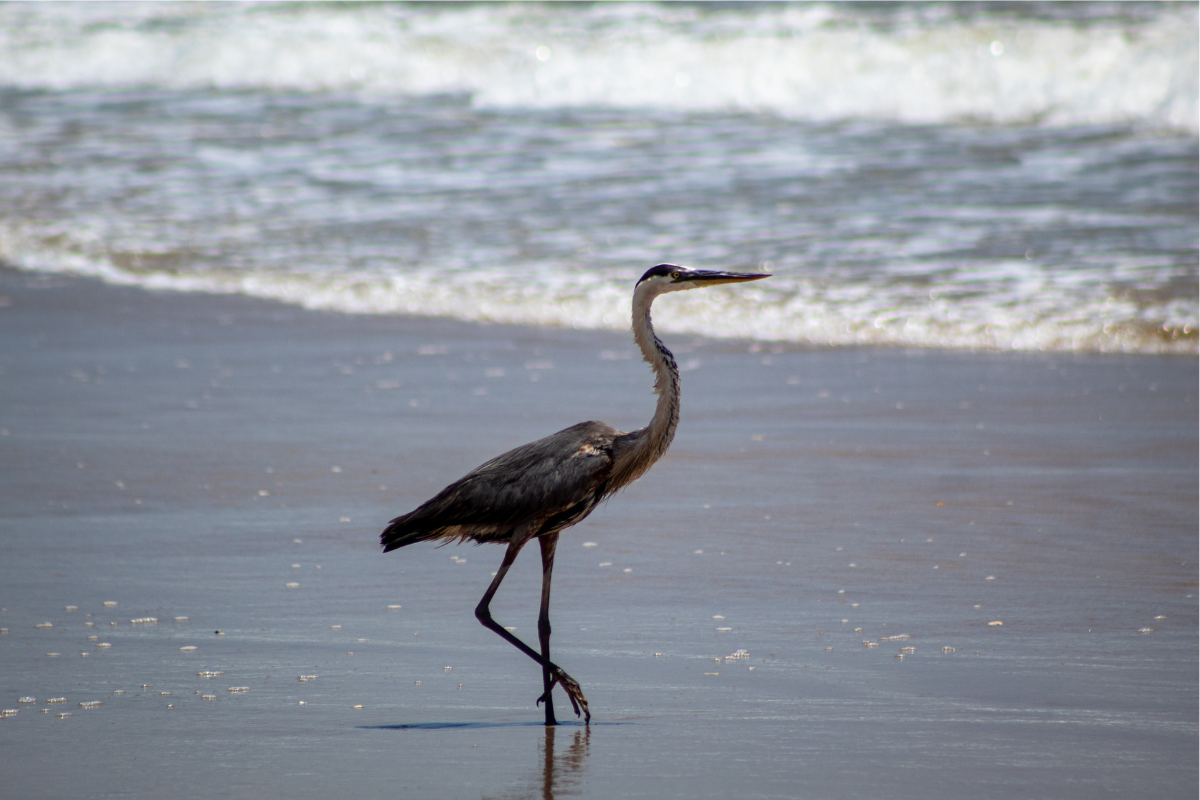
(674, 276)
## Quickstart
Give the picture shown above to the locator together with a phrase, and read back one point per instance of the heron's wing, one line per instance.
(559, 477)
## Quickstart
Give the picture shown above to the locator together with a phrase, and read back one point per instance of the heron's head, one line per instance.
(673, 278)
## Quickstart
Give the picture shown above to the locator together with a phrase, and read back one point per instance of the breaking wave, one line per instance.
(1092, 64)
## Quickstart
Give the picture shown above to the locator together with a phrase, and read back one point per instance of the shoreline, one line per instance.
(163, 284)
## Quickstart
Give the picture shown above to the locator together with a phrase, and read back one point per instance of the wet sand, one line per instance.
(192, 456)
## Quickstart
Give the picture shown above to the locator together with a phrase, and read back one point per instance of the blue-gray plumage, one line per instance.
(557, 480)
(541, 488)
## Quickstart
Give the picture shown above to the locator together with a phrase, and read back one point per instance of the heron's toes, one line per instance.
(574, 693)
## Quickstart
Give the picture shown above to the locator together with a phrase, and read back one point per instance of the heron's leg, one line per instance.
(484, 615)
(548, 542)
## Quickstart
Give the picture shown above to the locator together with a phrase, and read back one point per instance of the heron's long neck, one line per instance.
(638, 450)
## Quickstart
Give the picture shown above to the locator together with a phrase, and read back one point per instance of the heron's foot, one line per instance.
(571, 687)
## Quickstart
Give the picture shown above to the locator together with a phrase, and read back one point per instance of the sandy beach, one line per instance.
(856, 520)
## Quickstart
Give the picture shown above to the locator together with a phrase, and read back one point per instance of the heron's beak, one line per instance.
(709, 278)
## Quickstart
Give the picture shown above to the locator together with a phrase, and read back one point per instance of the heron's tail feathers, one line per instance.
(423, 526)
(405, 531)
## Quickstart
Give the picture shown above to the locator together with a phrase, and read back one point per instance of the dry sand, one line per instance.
(192, 456)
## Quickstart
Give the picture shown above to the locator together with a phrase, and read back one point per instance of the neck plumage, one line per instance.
(636, 452)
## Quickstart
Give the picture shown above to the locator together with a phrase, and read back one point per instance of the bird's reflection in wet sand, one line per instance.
(558, 774)
(563, 772)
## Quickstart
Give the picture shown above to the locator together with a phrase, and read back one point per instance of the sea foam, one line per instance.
(1034, 311)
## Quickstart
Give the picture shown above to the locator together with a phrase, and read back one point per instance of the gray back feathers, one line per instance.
(555, 481)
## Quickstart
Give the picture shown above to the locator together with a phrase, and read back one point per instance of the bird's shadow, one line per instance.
(440, 726)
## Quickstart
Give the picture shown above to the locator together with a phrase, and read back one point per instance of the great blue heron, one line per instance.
(540, 488)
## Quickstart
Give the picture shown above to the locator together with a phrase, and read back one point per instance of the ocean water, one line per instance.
(961, 176)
